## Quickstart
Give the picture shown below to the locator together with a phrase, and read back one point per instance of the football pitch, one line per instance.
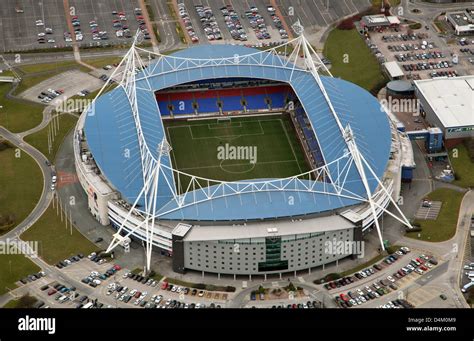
(237, 148)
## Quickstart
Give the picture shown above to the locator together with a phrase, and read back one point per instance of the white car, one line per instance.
(391, 279)
(97, 281)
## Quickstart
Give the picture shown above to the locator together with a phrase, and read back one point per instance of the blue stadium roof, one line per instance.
(112, 137)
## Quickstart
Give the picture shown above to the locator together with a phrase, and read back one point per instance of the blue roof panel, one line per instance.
(111, 132)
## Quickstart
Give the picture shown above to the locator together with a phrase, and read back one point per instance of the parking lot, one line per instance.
(314, 13)
(420, 53)
(62, 84)
(429, 211)
(19, 30)
(239, 22)
(390, 275)
(44, 24)
(119, 287)
(107, 16)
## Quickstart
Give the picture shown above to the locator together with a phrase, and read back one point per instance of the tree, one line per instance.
(346, 24)
(26, 301)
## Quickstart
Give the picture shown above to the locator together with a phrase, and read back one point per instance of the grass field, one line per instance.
(352, 60)
(39, 140)
(56, 242)
(36, 73)
(23, 302)
(196, 146)
(21, 184)
(12, 269)
(18, 116)
(443, 228)
(101, 62)
(463, 167)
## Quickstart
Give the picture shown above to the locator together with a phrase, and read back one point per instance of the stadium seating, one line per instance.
(232, 99)
(256, 102)
(231, 103)
(207, 105)
(182, 107)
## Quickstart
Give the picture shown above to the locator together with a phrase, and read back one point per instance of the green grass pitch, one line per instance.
(270, 141)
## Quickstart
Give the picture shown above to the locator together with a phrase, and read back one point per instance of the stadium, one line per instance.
(237, 161)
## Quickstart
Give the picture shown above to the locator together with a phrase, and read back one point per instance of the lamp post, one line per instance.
(42, 11)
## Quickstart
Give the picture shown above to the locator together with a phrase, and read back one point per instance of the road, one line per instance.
(46, 194)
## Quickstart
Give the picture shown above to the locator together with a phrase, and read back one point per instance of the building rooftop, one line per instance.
(461, 18)
(376, 20)
(451, 99)
(267, 229)
(394, 69)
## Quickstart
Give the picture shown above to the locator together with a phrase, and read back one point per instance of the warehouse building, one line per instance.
(448, 103)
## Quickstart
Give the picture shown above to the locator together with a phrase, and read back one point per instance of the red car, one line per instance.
(424, 268)
(164, 285)
(117, 267)
(344, 297)
(52, 292)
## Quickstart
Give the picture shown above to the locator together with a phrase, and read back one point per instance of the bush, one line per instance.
(379, 86)
(26, 301)
(199, 286)
(331, 277)
(290, 287)
(414, 229)
(230, 288)
(7, 220)
(346, 24)
(211, 287)
(415, 26)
